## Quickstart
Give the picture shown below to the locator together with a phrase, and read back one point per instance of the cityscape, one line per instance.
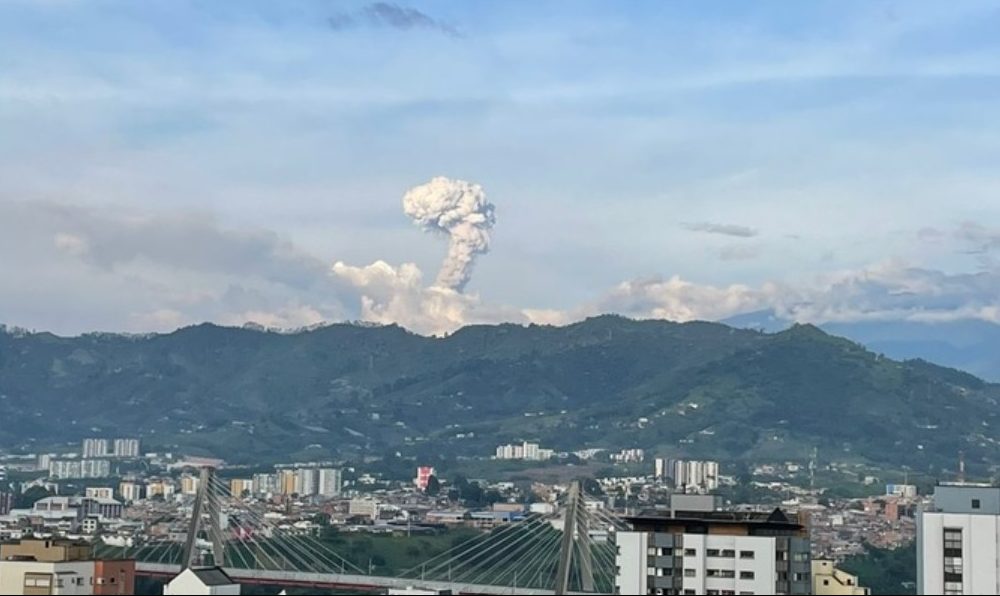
(675, 524)
(538, 297)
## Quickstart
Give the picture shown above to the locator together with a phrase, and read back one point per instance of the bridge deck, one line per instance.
(340, 580)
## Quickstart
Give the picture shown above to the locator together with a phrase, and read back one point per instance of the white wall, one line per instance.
(980, 549)
(12, 576)
(631, 560)
(188, 583)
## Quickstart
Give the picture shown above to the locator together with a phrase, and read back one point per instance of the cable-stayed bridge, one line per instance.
(569, 552)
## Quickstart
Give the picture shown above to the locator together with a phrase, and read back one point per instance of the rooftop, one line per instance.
(212, 576)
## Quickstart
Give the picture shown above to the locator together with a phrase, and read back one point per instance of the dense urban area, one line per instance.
(123, 502)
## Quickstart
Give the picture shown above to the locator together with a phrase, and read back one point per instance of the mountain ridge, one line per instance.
(697, 388)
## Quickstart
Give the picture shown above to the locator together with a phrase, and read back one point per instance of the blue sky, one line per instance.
(167, 162)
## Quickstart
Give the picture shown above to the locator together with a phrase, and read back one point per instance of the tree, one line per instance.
(28, 498)
(433, 486)
(592, 487)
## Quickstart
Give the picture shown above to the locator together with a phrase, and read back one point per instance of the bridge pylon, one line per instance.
(206, 503)
(575, 545)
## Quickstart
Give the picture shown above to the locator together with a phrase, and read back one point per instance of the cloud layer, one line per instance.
(165, 270)
(723, 229)
(394, 16)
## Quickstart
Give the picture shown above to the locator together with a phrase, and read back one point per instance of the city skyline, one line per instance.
(173, 163)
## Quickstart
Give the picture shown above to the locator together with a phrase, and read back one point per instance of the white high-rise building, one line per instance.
(265, 484)
(306, 483)
(95, 448)
(660, 468)
(958, 541)
(329, 482)
(714, 552)
(694, 475)
(126, 448)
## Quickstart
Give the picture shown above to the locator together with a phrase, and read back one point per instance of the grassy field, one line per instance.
(391, 555)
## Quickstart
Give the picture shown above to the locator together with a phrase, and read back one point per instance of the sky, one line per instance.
(169, 162)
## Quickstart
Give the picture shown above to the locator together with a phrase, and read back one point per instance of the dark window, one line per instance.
(689, 573)
(712, 552)
(746, 575)
(728, 553)
(746, 554)
(975, 503)
(690, 552)
(826, 582)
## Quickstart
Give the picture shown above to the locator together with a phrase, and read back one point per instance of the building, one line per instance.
(161, 488)
(100, 492)
(130, 491)
(904, 491)
(6, 502)
(126, 448)
(830, 581)
(714, 552)
(306, 482)
(76, 507)
(95, 448)
(203, 580)
(660, 468)
(189, 484)
(37, 566)
(526, 451)
(240, 486)
(424, 474)
(79, 468)
(265, 484)
(958, 541)
(330, 482)
(694, 475)
(628, 456)
(369, 508)
(286, 480)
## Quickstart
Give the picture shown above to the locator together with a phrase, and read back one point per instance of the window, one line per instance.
(689, 573)
(689, 592)
(953, 565)
(952, 542)
(975, 503)
(712, 592)
(729, 553)
(712, 552)
(726, 573)
(690, 552)
(746, 575)
(712, 573)
(746, 593)
(746, 554)
(800, 577)
(666, 552)
(952, 587)
(826, 582)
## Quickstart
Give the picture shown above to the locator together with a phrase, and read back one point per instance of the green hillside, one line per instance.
(347, 390)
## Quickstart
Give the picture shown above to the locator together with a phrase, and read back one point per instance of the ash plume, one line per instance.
(460, 210)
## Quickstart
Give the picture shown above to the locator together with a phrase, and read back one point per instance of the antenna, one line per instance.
(961, 466)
